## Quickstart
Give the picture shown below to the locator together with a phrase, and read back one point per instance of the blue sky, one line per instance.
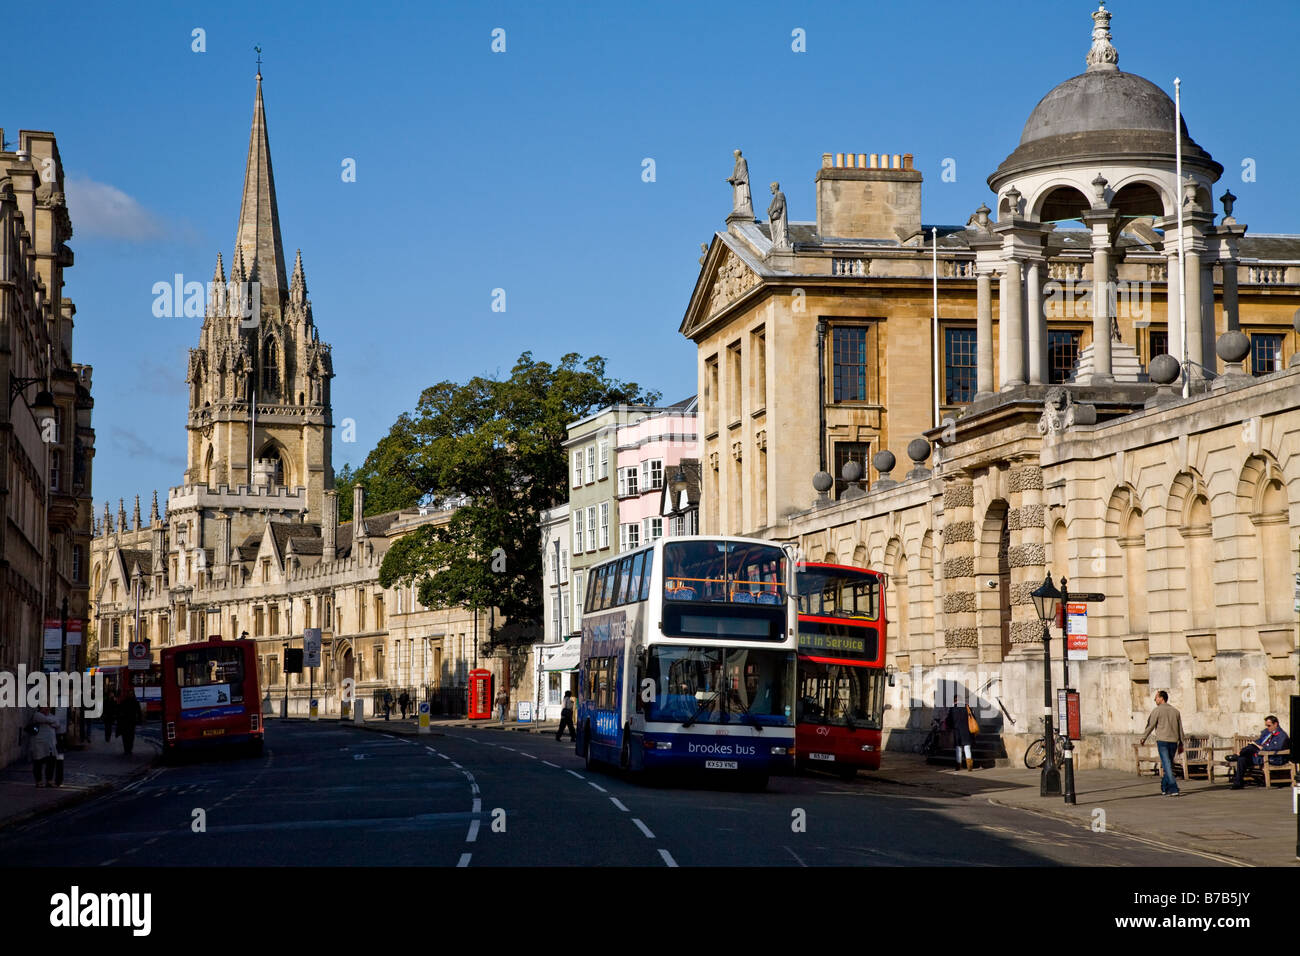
(523, 170)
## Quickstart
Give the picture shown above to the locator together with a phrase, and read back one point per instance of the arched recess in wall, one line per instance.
(992, 564)
(207, 467)
(925, 586)
(1126, 542)
(283, 475)
(1060, 565)
(897, 609)
(860, 556)
(1189, 512)
(1261, 492)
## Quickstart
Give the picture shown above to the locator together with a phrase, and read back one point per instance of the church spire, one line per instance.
(153, 512)
(298, 283)
(258, 233)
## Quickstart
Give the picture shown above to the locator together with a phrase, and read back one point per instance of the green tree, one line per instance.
(391, 474)
(498, 442)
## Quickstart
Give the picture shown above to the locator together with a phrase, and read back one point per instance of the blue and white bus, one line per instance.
(689, 650)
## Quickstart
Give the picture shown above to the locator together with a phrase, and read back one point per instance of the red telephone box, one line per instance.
(480, 695)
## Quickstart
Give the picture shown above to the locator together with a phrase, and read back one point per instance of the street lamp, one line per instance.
(1046, 600)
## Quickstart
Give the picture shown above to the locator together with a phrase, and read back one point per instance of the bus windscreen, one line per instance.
(833, 639)
(210, 677)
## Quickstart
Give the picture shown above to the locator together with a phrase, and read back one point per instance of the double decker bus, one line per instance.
(211, 695)
(688, 659)
(841, 667)
(146, 683)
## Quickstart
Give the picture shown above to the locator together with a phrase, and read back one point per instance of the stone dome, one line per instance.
(1102, 101)
(1103, 115)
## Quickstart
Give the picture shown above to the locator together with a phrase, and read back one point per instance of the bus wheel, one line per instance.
(257, 747)
(756, 783)
(586, 747)
(848, 773)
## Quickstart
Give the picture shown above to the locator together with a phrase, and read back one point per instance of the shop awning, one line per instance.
(561, 657)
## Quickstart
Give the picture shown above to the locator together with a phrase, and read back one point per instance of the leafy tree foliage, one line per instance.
(391, 474)
(498, 443)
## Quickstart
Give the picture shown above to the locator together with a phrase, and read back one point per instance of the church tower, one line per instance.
(259, 380)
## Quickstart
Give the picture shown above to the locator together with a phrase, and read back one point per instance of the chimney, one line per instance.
(329, 526)
(358, 512)
(878, 200)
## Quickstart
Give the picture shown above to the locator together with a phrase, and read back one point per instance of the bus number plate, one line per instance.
(721, 765)
(214, 733)
(822, 756)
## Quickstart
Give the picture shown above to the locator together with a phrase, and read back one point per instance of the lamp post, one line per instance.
(284, 708)
(1065, 676)
(1046, 599)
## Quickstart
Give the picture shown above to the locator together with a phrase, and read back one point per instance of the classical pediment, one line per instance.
(726, 277)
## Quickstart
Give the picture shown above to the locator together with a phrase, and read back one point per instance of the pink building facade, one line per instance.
(650, 453)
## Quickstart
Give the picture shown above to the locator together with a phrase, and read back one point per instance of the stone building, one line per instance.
(47, 443)
(828, 338)
(250, 544)
(1057, 439)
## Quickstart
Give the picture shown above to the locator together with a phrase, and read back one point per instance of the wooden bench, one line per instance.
(1269, 773)
(1196, 758)
(1148, 761)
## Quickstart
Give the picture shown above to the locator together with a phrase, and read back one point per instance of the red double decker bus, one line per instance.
(841, 702)
(211, 695)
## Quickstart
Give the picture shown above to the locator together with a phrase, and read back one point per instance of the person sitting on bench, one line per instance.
(1272, 738)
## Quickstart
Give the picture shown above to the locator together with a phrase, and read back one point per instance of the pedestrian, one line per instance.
(960, 720)
(45, 749)
(110, 713)
(388, 703)
(405, 702)
(503, 701)
(1272, 738)
(83, 725)
(1167, 724)
(566, 717)
(128, 716)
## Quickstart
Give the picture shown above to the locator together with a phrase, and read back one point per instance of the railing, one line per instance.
(1266, 275)
(850, 267)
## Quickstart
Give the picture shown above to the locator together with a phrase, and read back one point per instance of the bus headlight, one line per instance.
(782, 751)
(657, 744)
(868, 747)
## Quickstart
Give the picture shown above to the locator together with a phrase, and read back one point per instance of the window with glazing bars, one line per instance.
(849, 360)
(1265, 353)
(960, 365)
(1062, 354)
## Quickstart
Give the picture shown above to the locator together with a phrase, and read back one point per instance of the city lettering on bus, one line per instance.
(683, 641)
(842, 630)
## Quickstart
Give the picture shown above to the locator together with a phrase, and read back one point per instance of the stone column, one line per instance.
(1013, 327)
(1209, 330)
(960, 594)
(1001, 376)
(984, 333)
(1026, 556)
(1172, 286)
(1195, 343)
(1231, 321)
(1101, 368)
(1037, 319)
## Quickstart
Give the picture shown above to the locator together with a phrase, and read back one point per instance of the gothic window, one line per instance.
(270, 376)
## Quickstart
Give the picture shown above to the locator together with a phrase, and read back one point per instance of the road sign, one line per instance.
(1088, 597)
(1076, 631)
(313, 712)
(311, 647)
(525, 711)
(424, 716)
(138, 656)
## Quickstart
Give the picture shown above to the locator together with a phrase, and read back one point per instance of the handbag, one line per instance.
(971, 722)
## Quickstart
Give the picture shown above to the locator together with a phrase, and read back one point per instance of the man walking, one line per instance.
(404, 701)
(1167, 724)
(1273, 738)
(566, 717)
(128, 715)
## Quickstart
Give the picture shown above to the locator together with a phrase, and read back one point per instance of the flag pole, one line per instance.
(1182, 250)
(934, 282)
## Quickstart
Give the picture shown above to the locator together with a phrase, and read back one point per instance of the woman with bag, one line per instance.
(964, 728)
(45, 748)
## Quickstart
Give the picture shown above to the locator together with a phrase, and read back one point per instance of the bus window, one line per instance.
(624, 579)
(645, 575)
(610, 576)
(634, 582)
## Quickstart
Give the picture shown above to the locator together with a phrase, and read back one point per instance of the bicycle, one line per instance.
(931, 744)
(1036, 755)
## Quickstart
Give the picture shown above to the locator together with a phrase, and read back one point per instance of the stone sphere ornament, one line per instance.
(884, 461)
(1233, 346)
(1164, 369)
(918, 449)
(851, 472)
(822, 482)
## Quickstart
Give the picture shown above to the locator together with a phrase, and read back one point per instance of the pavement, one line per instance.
(1252, 826)
(1243, 827)
(89, 770)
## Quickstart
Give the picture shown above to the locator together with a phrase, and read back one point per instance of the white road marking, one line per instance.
(473, 831)
(464, 859)
(457, 766)
(796, 856)
(478, 805)
(618, 803)
(643, 828)
(511, 749)
(597, 786)
(473, 788)
(528, 755)
(444, 756)
(549, 764)
(431, 750)
(668, 858)
(576, 774)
